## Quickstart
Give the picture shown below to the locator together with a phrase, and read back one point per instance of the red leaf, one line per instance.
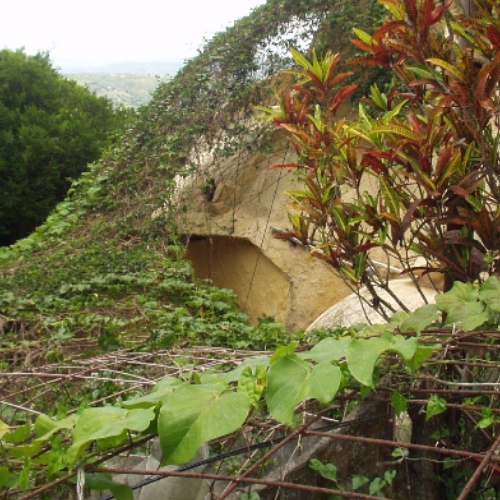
(411, 10)
(437, 13)
(459, 190)
(414, 124)
(316, 80)
(304, 91)
(424, 19)
(371, 61)
(365, 247)
(407, 219)
(284, 236)
(339, 78)
(362, 45)
(342, 95)
(332, 70)
(493, 35)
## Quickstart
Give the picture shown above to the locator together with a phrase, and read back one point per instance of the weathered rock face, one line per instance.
(236, 263)
(231, 240)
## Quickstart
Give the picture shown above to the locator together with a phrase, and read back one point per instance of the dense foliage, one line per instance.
(50, 129)
(416, 174)
(125, 203)
(107, 269)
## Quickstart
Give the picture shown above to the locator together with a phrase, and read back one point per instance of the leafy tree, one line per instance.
(50, 129)
(429, 148)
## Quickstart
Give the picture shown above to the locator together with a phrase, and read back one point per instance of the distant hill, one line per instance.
(124, 83)
(167, 67)
(130, 90)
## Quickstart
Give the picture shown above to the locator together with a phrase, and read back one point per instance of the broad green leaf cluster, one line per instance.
(186, 414)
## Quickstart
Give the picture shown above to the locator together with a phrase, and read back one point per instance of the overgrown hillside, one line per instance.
(109, 343)
(108, 263)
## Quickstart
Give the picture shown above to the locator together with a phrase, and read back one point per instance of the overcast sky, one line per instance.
(103, 31)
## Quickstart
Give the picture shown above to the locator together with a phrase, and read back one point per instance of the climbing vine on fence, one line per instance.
(187, 413)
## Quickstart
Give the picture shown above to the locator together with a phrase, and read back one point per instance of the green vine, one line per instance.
(186, 414)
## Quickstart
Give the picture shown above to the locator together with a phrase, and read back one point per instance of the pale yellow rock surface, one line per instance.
(351, 310)
(231, 240)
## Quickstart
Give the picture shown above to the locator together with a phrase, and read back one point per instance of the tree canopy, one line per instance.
(50, 129)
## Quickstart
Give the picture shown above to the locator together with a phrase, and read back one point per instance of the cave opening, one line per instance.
(238, 264)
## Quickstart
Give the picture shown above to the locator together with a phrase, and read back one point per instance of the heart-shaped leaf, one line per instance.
(194, 414)
(291, 380)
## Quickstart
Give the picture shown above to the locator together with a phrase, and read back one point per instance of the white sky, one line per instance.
(102, 31)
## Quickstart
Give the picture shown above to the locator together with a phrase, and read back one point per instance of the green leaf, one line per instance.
(195, 414)
(157, 395)
(420, 70)
(360, 265)
(45, 427)
(421, 318)
(399, 402)
(400, 452)
(4, 429)
(252, 383)
(284, 350)
(57, 457)
(358, 481)
(362, 35)
(291, 380)
(252, 496)
(469, 316)
(421, 354)
(435, 406)
(18, 435)
(379, 98)
(4, 476)
(391, 198)
(459, 295)
(327, 350)
(166, 383)
(389, 115)
(389, 476)
(106, 422)
(489, 293)
(449, 462)
(104, 482)
(327, 471)
(24, 478)
(396, 129)
(26, 450)
(447, 66)
(109, 421)
(362, 354)
(376, 485)
(300, 59)
(487, 418)
(252, 362)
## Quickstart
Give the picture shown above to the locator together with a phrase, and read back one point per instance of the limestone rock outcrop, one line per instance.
(230, 237)
(355, 309)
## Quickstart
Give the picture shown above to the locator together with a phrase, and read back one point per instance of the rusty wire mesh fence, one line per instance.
(451, 455)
